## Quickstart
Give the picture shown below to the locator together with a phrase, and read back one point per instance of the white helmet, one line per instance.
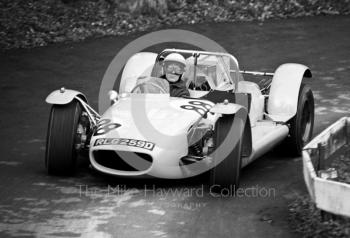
(175, 57)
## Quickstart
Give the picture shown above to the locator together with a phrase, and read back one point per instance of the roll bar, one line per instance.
(256, 73)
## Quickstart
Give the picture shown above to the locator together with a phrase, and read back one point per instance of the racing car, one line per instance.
(224, 125)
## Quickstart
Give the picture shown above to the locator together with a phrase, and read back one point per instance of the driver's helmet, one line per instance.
(174, 66)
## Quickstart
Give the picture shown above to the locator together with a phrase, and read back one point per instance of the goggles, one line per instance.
(174, 68)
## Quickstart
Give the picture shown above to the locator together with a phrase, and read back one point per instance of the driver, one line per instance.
(174, 67)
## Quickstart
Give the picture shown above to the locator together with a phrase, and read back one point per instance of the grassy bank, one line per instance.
(31, 23)
(307, 220)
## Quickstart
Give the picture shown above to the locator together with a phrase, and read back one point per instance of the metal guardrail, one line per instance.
(328, 195)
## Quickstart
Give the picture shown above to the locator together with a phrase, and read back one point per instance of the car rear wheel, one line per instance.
(61, 152)
(226, 174)
(301, 125)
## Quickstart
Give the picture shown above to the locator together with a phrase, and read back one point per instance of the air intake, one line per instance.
(123, 160)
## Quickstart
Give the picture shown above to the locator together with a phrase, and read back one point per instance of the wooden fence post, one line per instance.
(322, 146)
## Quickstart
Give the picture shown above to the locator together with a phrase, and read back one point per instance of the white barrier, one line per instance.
(328, 195)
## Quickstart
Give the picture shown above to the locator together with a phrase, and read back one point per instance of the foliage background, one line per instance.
(31, 23)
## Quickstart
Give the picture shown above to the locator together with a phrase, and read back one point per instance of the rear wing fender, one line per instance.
(284, 91)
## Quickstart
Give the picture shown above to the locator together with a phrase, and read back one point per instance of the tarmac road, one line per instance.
(92, 205)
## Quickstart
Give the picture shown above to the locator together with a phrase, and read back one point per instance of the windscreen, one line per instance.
(210, 70)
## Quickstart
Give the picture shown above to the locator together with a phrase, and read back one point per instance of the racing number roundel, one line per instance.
(104, 126)
(200, 107)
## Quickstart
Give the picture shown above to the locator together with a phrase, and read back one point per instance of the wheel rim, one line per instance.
(306, 123)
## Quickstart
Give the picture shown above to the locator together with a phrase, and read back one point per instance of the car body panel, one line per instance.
(153, 118)
(265, 135)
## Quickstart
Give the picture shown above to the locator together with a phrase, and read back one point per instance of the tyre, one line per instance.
(301, 125)
(61, 154)
(226, 174)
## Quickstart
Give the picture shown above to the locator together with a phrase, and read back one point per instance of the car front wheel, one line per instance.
(61, 152)
(228, 154)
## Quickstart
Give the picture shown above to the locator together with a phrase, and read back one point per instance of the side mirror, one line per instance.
(113, 96)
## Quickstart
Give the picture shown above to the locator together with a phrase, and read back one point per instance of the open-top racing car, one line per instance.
(225, 123)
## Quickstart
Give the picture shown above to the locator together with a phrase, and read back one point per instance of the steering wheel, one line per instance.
(151, 83)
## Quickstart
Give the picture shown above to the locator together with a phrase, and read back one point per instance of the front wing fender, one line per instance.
(64, 96)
